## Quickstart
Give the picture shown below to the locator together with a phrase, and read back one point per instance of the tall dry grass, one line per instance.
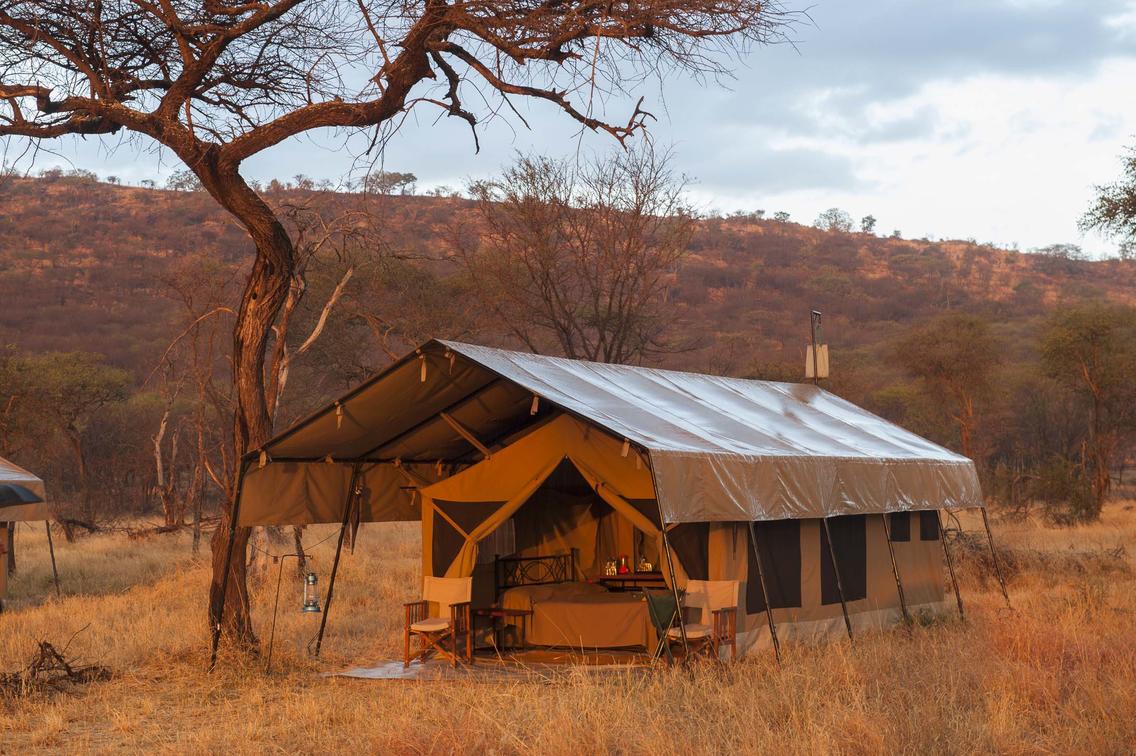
(1055, 674)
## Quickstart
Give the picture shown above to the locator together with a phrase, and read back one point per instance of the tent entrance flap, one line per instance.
(587, 477)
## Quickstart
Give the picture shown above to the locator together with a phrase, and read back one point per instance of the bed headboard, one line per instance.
(510, 572)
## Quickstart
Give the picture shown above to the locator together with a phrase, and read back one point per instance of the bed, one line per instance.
(569, 612)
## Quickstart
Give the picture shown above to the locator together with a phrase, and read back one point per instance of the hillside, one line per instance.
(75, 252)
(102, 268)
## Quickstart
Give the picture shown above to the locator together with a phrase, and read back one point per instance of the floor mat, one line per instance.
(536, 665)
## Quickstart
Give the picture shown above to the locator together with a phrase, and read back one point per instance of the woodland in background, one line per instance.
(118, 308)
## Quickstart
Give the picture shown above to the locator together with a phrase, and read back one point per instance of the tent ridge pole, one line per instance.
(950, 562)
(895, 568)
(233, 514)
(836, 571)
(994, 556)
(764, 591)
(351, 494)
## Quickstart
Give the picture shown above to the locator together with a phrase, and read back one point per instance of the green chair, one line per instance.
(662, 607)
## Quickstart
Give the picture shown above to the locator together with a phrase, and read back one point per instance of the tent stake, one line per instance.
(352, 492)
(895, 568)
(836, 571)
(950, 562)
(228, 564)
(764, 592)
(51, 550)
(994, 556)
(674, 589)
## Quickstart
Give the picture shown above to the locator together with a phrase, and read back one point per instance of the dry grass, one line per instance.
(1056, 674)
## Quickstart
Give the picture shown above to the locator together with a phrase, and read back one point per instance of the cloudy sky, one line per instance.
(989, 119)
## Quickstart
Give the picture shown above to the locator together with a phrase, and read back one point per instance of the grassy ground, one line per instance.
(1055, 674)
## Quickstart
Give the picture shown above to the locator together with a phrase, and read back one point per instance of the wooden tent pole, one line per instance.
(836, 571)
(233, 514)
(764, 591)
(950, 562)
(895, 568)
(994, 556)
(352, 492)
(51, 550)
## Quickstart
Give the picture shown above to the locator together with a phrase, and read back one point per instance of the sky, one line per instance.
(983, 119)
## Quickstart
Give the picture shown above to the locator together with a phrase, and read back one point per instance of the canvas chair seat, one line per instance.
(693, 630)
(431, 625)
(449, 635)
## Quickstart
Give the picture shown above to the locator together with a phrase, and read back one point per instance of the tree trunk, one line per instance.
(264, 294)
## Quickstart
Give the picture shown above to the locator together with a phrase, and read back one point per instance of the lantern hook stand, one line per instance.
(276, 605)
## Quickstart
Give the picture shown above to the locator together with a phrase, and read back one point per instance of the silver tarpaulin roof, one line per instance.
(721, 449)
(23, 494)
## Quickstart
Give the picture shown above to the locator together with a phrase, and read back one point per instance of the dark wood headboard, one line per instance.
(511, 572)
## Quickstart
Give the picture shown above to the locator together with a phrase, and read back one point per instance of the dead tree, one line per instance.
(580, 257)
(220, 81)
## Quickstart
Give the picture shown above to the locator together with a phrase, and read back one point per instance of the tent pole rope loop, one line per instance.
(352, 492)
(233, 514)
(764, 591)
(994, 556)
(895, 568)
(836, 571)
(950, 562)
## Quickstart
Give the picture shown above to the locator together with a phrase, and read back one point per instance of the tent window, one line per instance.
(900, 525)
(850, 542)
(501, 542)
(780, 544)
(929, 525)
(468, 514)
(447, 542)
(691, 544)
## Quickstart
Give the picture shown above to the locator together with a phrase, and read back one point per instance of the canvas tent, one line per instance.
(22, 499)
(702, 473)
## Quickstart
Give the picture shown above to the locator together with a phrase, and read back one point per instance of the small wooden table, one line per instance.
(497, 616)
(633, 581)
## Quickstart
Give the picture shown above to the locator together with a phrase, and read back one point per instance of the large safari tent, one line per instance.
(22, 499)
(511, 459)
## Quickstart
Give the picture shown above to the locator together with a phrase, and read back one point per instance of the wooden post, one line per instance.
(895, 568)
(352, 492)
(764, 592)
(836, 571)
(994, 556)
(950, 563)
(233, 514)
(51, 551)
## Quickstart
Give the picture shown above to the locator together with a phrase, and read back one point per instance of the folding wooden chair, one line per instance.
(717, 602)
(450, 636)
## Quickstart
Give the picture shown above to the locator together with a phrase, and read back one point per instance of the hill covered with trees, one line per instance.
(132, 274)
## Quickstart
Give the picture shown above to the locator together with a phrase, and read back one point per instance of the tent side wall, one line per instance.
(308, 493)
(800, 580)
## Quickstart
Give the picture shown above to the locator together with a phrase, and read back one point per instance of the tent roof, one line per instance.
(12, 474)
(720, 448)
(659, 410)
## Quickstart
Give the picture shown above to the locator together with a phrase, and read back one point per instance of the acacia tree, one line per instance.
(1090, 349)
(1113, 212)
(220, 81)
(580, 258)
(955, 357)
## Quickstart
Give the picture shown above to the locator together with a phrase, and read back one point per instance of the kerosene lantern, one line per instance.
(311, 593)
